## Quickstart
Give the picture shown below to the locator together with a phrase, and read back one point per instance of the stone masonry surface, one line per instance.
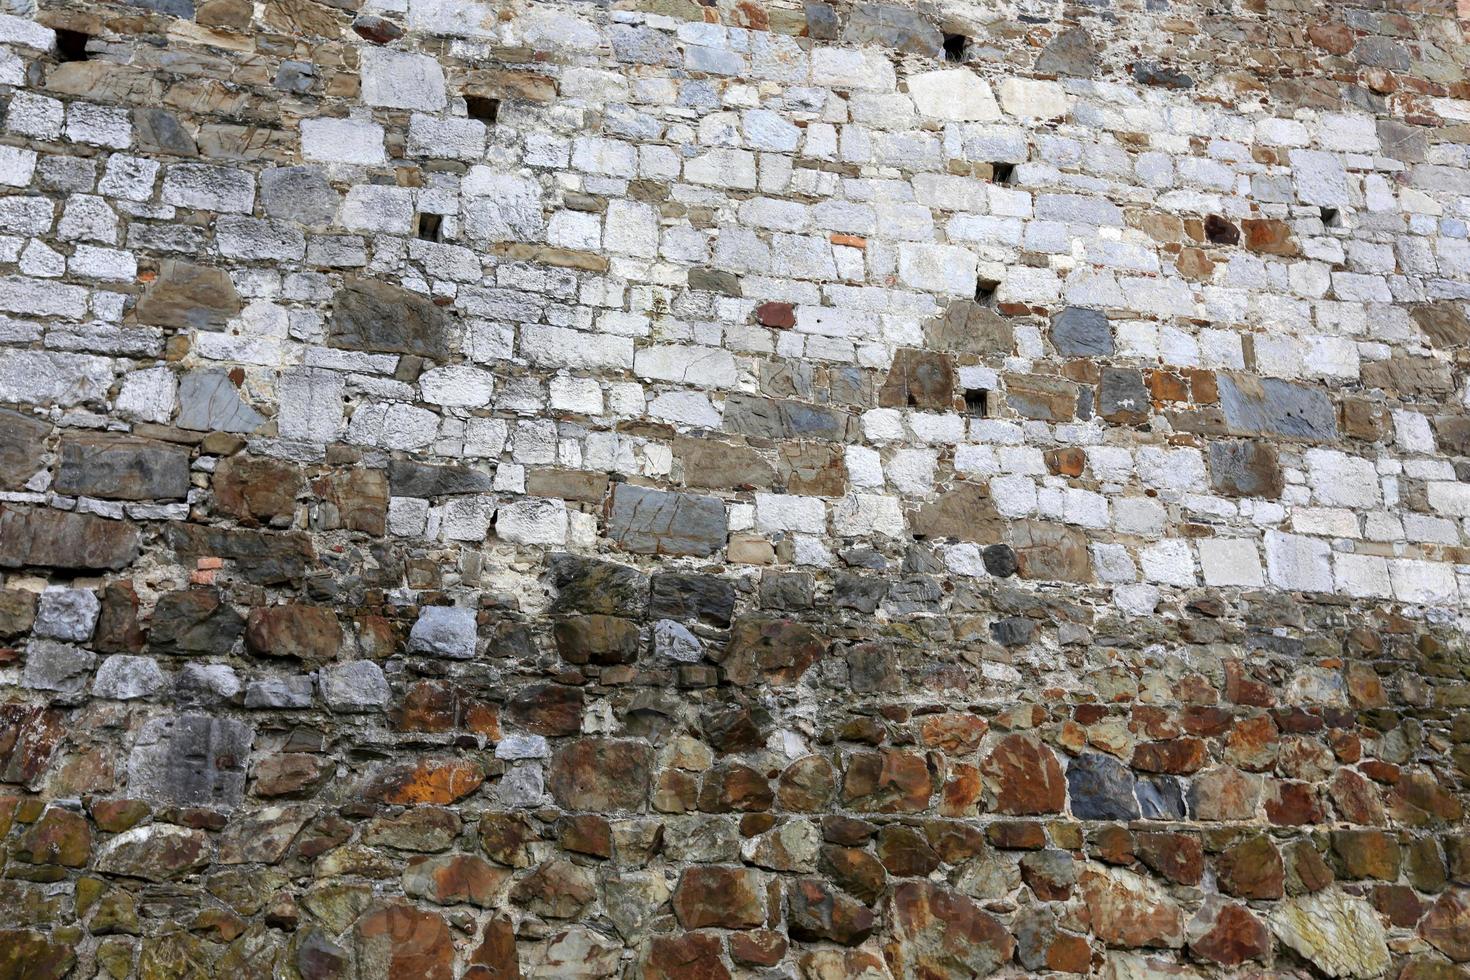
(704, 489)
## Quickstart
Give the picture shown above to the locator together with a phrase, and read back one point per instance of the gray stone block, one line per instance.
(657, 522)
(191, 759)
(1269, 406)
(444, 631)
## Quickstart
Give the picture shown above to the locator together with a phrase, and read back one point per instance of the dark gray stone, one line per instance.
(61, 539)
(1101, 788)
(1080, 332)
(299, 194)
(688, 596)
(210, 402)
(53, 666)
(444, 631)
(968, 327)
(894, 27)
(1245, 469)
(821, 21)
(854, 590)
(123, 678)
(122, 468)
(407, 478)
(657, 522)
(22, 438)
(174, 8)
(1000, 560)
(191, 759)
(586, 585)
(1122, 397)
(375, 316)
(1160, 76)
(1013, 631)
(778, 418)
(195, 621)
(1268, 406)
(1072, 52)
(159, 131)
(280, 692)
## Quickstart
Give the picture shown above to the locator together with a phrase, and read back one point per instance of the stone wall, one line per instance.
(674, 489)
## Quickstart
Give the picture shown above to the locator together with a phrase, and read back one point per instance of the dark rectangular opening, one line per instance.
(482, 108)
(954, 47)
(977, 403)
(431, 227)
(985, 291)
(1002, 173)
(71, 45)
(1331, 218)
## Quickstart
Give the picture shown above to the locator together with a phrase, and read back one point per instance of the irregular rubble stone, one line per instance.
(1336, 932)
(938, 932)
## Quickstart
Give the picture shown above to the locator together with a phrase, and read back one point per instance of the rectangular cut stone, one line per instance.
(778, 418)
(656, 522)
(123, 468)
(193, 760)
(61, 539)
(1269, 406)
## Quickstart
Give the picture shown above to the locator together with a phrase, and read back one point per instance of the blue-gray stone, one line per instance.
(1160, 798)
(52, 666)
(358, 685)
(657, 522)
(1101, 788)
(1079, 332)
(210, 402)
(1268, 406)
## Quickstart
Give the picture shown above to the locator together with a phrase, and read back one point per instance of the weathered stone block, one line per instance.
(60, 539)
(122, 468)
(657, 522)
(191, 759)
(368, 315)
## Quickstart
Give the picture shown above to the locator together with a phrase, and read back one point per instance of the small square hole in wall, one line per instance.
(977, 403)
(985, 291)
(480, 107)
(1002, 173)
(431, 227)
(954, 47)
(71, 45)
(1331, 218)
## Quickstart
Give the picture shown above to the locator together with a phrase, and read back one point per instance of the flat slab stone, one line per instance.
(61, 539)
(657, 522)
(122, 468)
(189, 296)
(21, 439)
(210, 402)
(1269, 406)
(377, 316)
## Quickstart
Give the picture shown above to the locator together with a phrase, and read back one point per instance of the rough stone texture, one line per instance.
(747, 488)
